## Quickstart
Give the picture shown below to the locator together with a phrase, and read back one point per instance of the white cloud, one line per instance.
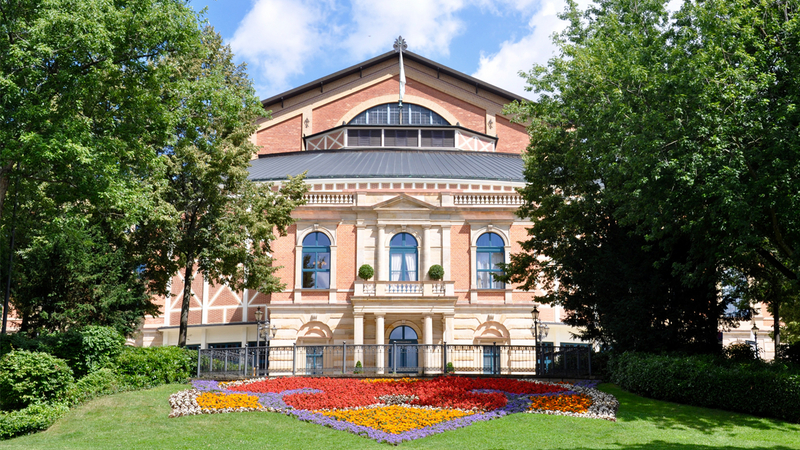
(278, 37)
(427, 25)
(502, 68)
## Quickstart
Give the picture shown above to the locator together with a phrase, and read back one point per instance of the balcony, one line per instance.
(429, 289)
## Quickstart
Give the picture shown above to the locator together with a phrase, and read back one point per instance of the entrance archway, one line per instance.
(405, 359)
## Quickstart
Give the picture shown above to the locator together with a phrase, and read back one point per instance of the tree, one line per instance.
(213, 218)
(83, 112)
(679, 126)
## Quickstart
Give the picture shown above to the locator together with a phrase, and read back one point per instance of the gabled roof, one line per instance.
(385, 57)
(389, 163)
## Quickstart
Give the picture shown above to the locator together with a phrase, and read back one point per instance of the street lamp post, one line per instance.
(539, 331)
(755, 337)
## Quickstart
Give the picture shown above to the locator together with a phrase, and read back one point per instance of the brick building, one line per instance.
(398, 186)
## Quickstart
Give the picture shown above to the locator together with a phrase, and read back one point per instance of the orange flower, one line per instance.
(212, 401)
(576, 403)
(396, 419)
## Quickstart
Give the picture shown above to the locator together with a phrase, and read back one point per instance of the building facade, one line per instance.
(399, 186)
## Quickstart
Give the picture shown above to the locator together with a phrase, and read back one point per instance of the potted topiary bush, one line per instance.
(359, 368)
(436, 272)
(366, 272)
(449, 368)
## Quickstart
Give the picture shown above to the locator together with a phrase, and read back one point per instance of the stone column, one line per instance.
(358, 338)
(380, 359)
(381, 256)
(426, 252)
(427, 339)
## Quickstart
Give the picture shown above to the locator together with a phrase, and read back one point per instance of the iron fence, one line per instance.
(395, 359)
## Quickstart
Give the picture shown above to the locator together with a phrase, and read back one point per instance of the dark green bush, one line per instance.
(756, 388)
(436, 272)
(790, 353)
(30, 420)
(740, 352)
(87, 349)
(32, 377)
(100, 382)
(20, 341)
(153, 366)
(366, 272)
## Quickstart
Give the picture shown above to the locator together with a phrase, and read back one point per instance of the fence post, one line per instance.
(590, 360)
(344, 357)
(294, 359)
(394, 358)
(444, 357)
(198, 362)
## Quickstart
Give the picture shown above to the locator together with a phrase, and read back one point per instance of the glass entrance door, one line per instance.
(406, 358)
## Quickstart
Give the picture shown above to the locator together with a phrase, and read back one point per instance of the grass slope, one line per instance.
(136, 420)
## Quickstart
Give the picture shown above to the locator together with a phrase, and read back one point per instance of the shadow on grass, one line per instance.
(663, 445)
(674, 416)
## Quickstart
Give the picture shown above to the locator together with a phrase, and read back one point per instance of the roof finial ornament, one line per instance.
(399, 47)
(400, 44)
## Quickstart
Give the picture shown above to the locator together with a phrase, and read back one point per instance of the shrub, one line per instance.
(366, 272)
(34, 418)
(449, 368)
(32, 377)
(19, 341)
(740, 352)
(147, 367)
(359, 368)
(436, 272)
(790, 353)
(101, 382)
(88, 349)
(756, 388)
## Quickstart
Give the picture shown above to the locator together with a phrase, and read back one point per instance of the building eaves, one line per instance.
(357, 68)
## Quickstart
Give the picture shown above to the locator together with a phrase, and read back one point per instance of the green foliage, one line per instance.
(359, 368)
(19, 341)
(449, 368)
(70, 273)
(365, 272)
(32, 377)
(790, 353)
(88, 349)
(756, 388)
(31, 419)
(740, 352)
(436, 272)
(153, 366)
(680, 129)
(100, 382)
(214, 218)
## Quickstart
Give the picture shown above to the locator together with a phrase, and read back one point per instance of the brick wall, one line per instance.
(283, 137)
(346, 256)
(330, 115)
(283, 251)
(512, 137)
(459, 259)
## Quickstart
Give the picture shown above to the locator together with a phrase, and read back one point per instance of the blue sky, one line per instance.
(287, 43)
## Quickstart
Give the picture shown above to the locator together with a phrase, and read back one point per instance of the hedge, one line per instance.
(712, 382)
(34, 418)
(143, 367)
(32, 377)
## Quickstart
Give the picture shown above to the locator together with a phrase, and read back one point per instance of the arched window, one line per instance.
(403, 257)
(316, 261)
(394, 114)
(490, 253)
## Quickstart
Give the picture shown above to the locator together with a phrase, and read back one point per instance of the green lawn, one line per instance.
(138, 420)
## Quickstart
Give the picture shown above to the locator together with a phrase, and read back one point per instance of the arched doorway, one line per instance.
(405, 359)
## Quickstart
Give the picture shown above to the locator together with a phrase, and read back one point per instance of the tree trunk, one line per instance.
(188, 277)
(776, 326)
(5, 181)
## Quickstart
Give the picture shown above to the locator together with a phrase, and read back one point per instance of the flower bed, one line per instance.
(394, 410)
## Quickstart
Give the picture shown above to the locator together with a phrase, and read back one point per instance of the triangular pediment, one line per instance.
(404, 202)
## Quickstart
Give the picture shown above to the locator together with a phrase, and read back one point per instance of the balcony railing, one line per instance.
(404, 288)
(395, 359)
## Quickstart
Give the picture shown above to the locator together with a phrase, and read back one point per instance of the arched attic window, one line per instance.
(394, 114)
